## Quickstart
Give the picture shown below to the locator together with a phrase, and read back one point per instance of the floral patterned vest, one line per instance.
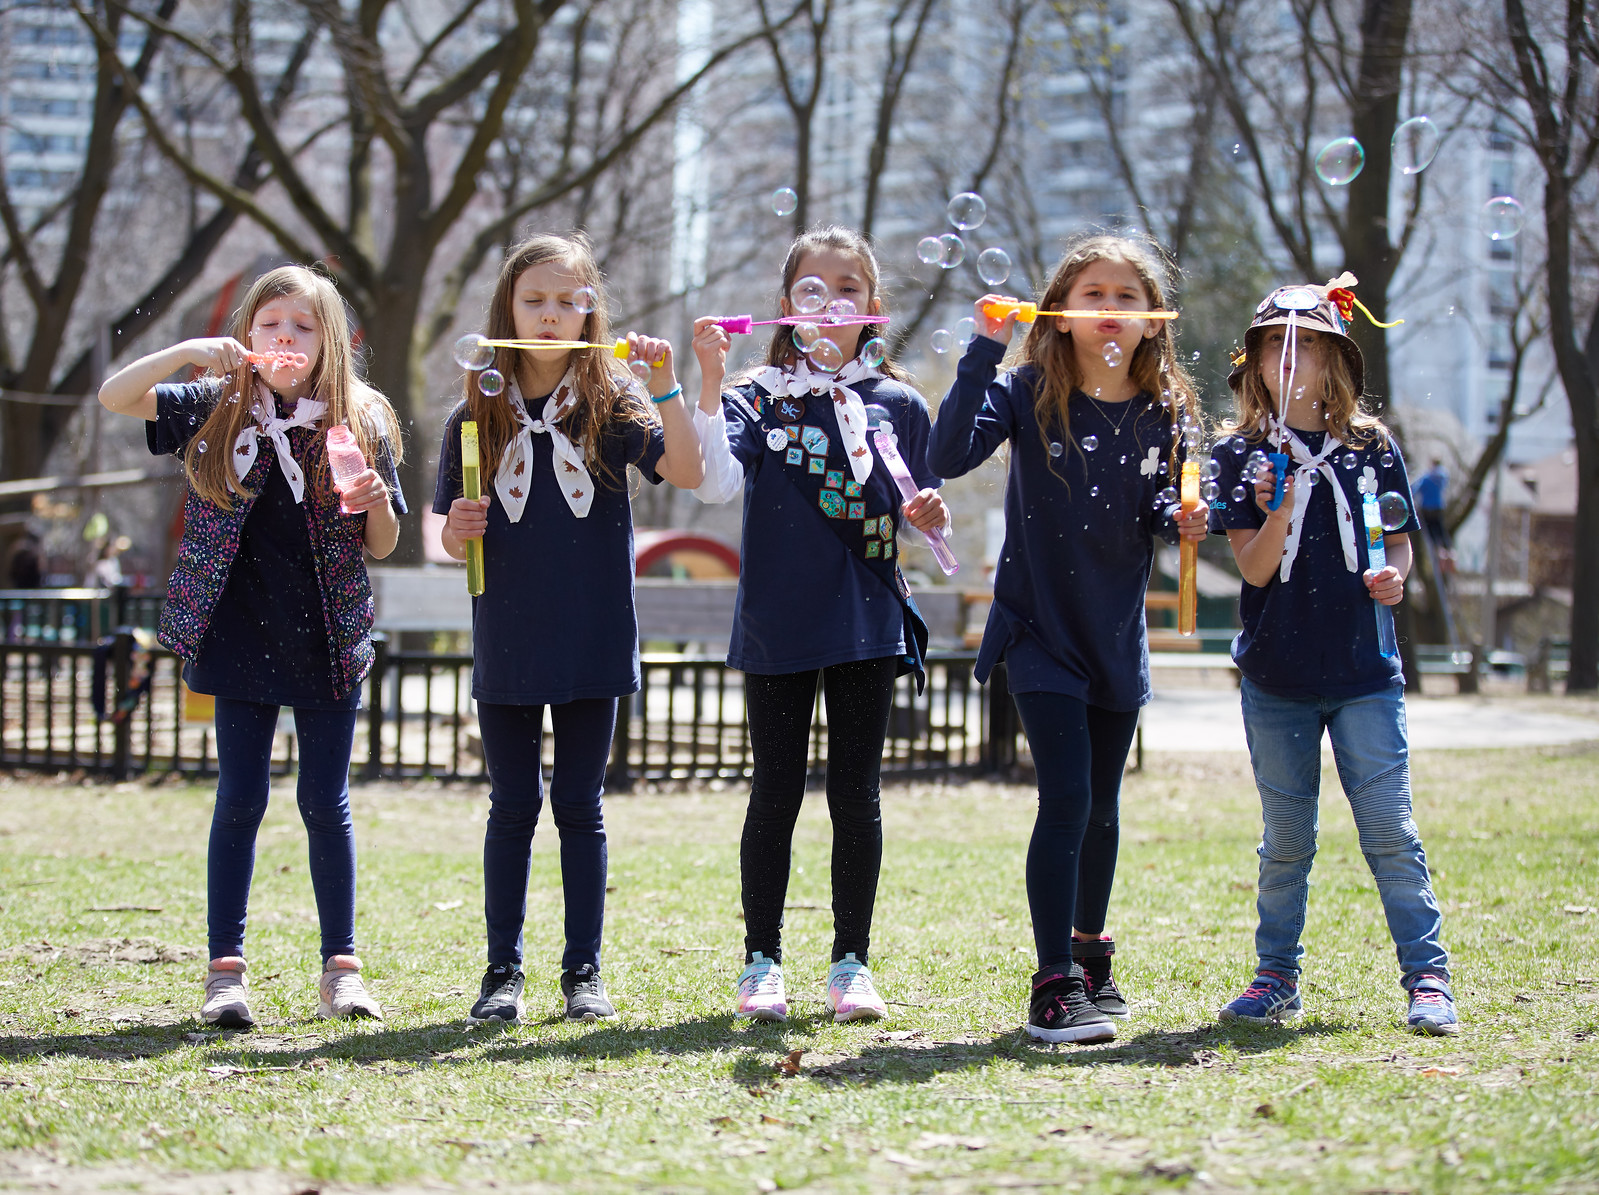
(211, 541)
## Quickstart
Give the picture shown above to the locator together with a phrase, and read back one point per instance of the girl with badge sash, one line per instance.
(820, 596)
(555, 625)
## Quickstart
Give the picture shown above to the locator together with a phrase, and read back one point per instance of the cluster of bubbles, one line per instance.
(947, 251)
(810, 296)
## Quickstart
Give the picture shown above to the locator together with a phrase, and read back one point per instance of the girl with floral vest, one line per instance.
(270, 604)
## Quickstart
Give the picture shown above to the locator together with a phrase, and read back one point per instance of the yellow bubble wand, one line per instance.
(472, 489)
(1027, 313)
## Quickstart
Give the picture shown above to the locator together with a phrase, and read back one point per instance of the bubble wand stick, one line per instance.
(472, 489)
(1377, 557)
(1027, 313)
(742, 325)
(1188, 557)
(907, 489)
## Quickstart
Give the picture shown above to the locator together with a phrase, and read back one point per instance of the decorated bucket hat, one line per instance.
(1323, 309)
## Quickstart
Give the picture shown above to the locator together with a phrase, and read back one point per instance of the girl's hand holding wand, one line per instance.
(365, 493)
(1387, 585)
(711, 343)
(657, 354)
(926, 511)
(468, 519)
(1193, 524)
(994, 329)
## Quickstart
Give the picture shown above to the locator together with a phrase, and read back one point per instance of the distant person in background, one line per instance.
(27, 563)
(106, 571)
(1431, 492)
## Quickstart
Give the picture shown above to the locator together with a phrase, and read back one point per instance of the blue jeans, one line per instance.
(511, 738)
(244, 759)
(1372, 753)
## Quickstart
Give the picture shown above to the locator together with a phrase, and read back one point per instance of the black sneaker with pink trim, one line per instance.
(1098, 982)
(1060, 1009)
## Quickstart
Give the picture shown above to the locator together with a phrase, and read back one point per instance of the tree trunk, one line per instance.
(395, 367)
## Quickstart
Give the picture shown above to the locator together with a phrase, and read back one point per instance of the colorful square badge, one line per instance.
(832, 503)
(817, 465)
(857, 510)
(835, 480)
(874, 549)
(814, 439)
(852, 489)
(794, 456)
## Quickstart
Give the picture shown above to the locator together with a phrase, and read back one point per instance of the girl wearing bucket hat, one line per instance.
(1308, 651)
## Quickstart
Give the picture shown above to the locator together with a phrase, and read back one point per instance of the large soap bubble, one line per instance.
(1501, 218)
(584, 300)
(952, 250)
(942, 340)
(929, 251)
(1340, 161)
(993, 266)
(1415, 144)
(491, 382)
(473, 352)
(873, 352)
(967, 210)
(808, 295)
(826, 355)
(784, 201)
(1393, 510)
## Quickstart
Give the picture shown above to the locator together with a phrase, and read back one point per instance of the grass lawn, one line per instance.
(107, 1078)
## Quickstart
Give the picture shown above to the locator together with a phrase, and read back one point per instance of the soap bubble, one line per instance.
(967, 210)
(472, 351)
(641, 370)
(784, 201)
(1340, 161)
(826, 356)
(965, 329)
(584, 300)
(201, 445)
(805, 335)
(1240, 494)
(1090, 443)
(1313, 480)
(951, 251)
(1166, 497)
(1093, 491)
(1256, 459)
(1393, 510)
(1211, 469)
(1210, 491)
(993, 266)
(808, 295)
(1386, 460)
(1237, 445)
(1196, 354)
(1349, 461)
(873, 352)
(1112, 354)
(1056, 448)
(492, 381)
(928, 251)
(942, 340)
(877, 415)
(1501, 218)
(841, 307)
(1414, 145)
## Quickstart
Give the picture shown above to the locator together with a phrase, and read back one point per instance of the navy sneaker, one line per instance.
(1432, 1007)
(1271, 998)
(585, 994)
(1060, 1009)
(500, 995)
(1098, 982)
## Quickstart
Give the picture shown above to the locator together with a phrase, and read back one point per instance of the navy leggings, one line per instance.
(1079, 751)
(859, 695)
(244, 758)
(511, 738)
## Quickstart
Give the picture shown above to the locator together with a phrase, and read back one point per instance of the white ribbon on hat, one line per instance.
(800, 380)
(513, 479)
(275, 428)
(1306, 465)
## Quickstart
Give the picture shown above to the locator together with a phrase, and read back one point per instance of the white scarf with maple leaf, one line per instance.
(513, 480)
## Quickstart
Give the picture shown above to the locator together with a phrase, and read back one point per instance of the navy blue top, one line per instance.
(1314, 635)
(804, 599)
(555, 622)
(1080, 529)
(1430, 489)
(268, 639)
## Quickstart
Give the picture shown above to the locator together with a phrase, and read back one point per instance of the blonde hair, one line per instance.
(605, 389)
(350, 401)
(781, 350)
(1346, 419)
(1154, 368)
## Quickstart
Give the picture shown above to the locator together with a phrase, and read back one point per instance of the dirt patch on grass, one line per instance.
(102, 952)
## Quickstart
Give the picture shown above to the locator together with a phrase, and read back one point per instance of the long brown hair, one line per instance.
(606, 391)
(1154, 368)
(333, 381)
(1346, 419)
(781, 351)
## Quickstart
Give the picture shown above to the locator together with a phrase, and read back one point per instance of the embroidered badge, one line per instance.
(794, 456)
(814, 439)
(857, 510)
(788, 408)
(873, 550)
(832, 503)
(817, 465)
(835, 480)
(888, 549)
(852, 488)
(869, 528)
(885, 524)
(793, 434)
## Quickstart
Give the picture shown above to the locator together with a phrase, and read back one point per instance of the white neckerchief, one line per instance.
(275, 428)
(1306, 465)
(801, 379)
(513, 481)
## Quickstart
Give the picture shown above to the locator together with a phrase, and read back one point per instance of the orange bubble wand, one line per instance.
(1027, 313)
(1187, 586)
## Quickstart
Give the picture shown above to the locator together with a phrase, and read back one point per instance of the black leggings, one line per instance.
(1080, 752)
(859, 695)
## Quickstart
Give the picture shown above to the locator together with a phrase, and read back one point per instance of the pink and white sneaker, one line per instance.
(851, 995)
(760, 992)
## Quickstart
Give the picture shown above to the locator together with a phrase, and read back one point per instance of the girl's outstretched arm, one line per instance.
(131, 390)
(968, 429)
(724, 475)
(682, 463)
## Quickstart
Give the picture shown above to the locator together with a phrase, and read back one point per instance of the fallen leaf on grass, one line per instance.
(444, 906)
(1433, 1071)
(1579, 909)
(768, 1118)
(725, 1122)
(789, 1065)
(899, 1159)
(897, 1035)
(461, 1144)
(946, 1141)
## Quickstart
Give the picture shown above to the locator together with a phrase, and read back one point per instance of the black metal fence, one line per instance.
(686, 723)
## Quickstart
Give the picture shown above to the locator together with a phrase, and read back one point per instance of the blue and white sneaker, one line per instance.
(760, 995)
(1432, 1007)
(1269, 1000)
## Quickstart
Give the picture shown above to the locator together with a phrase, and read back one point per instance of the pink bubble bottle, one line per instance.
(344, 457)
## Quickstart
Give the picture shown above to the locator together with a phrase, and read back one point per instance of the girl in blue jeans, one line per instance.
(1309, 651)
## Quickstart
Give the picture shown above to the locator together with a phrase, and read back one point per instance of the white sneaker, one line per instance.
(760, 990)
(342, 992)
(851, 995)
(225, 1003)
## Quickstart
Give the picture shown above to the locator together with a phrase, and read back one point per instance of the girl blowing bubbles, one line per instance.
(1092, 419)
(1309, 651)
(269, 604)
(820, 595)
(555, 625)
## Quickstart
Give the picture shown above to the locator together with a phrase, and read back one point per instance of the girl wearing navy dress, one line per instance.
(555, 624)
(1309, 651)
(820, 596)
(1092, 415)
(270, 604)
